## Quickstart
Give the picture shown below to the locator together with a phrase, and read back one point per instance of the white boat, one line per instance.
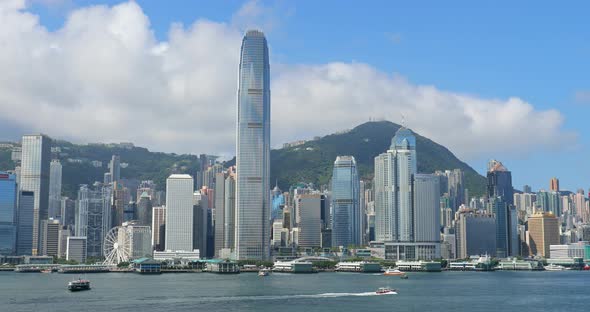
(385, 291)
(263, 272)
(554, 267)
(393, 272)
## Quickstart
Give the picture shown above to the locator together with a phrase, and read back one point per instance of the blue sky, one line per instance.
(536, 51)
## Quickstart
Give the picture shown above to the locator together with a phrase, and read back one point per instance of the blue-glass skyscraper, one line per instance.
(346, 218)
(252, 231)
(8, 192)
(501, 203)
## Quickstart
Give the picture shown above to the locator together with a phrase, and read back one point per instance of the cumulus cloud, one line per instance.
(104, 77)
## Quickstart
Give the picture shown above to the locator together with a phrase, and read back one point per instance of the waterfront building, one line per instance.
(55, 172)
(543, 232)
(171, 255)
(68, 212)
(158, 219)
(475, 233)
(93, 220)
(346, 218)
(252, 226)
(143, 211)
(8, 213)
(76, 249)
(34, 177)
(139, 238)
(569, 251)
(179, 212)
(26, 219)
(63, 234)
(115, 168)
(50, 237)
(308, 218)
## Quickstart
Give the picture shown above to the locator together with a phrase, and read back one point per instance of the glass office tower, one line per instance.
(252, 233)
(346, 222)
(8, 191)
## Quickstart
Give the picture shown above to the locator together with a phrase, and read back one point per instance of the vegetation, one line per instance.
(57, 260)
(324, 264)
(310, 162)
(123, 265)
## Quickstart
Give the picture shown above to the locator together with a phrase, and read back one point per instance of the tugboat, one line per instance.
(385, 291)
(79, 285)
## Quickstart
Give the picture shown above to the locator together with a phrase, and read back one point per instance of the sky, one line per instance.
(506, 81)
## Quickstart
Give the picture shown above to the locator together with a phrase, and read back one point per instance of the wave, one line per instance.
(310, 296)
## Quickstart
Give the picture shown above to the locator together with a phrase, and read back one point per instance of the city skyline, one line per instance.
(520, 153)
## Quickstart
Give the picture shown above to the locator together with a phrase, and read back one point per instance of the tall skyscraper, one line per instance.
(179, 212)
(554, 184)
(308, 207)
(253, 150)
(34, 177)
(451, 183)
(475, 233)
(543, 232)
(115, 168)
(346, 219)
(219, 206)
(8, 215)
(143, 211)
(229, 216)
(393, 188)
(158, 219)
(93, 219)
(426, 210)
(55, 170)
(26, 208)
(500, 182)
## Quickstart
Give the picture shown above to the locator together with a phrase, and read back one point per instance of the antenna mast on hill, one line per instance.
(403, 121)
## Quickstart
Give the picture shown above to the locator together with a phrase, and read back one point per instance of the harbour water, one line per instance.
(342, 292)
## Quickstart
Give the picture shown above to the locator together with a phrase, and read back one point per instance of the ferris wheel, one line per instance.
(117, 246)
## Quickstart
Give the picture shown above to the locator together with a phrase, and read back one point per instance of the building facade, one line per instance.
(252, 237)
(475, 233)
(55, 173)
(179, 212)
(346, 218)
(26, 219)
(34, 177)
(8, 213)
(543, 232)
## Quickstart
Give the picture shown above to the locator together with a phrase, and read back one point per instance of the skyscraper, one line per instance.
(115, 168)
(93, 219)
(253, 150)
(346, 219)
(475, 233)
(426, 211)
(393, 188)
(50, 237)
(179, 212)
(554, 184)
(158, 219)
(500, 182)
(8, 215)
(143, 211)
(24, 238)
(34, 177)
(309, 223)
(543, 232)
(229, 216)
(55, 170)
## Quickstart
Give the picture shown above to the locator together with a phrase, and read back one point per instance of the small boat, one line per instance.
(554, 267)
(263, 272)
(405, 276)
(393, 272)
(78, 285)
(385, 291)
(46, 271)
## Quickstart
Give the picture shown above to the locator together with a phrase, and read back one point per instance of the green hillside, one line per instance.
(313, 161)
(310, 162)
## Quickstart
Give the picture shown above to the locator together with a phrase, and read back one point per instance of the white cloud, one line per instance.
(104, 77)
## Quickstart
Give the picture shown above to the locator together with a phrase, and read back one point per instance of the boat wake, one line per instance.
(310, 296)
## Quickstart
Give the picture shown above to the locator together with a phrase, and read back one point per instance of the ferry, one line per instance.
(393, 272)
(385, 291)
(554, 267)
(78, 285)
(263, 272)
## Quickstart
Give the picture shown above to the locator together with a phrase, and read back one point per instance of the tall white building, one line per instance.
(34, 177)
(393, 188)
(252, 231)
(55, 170)
(179, 212)
(426, 208)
